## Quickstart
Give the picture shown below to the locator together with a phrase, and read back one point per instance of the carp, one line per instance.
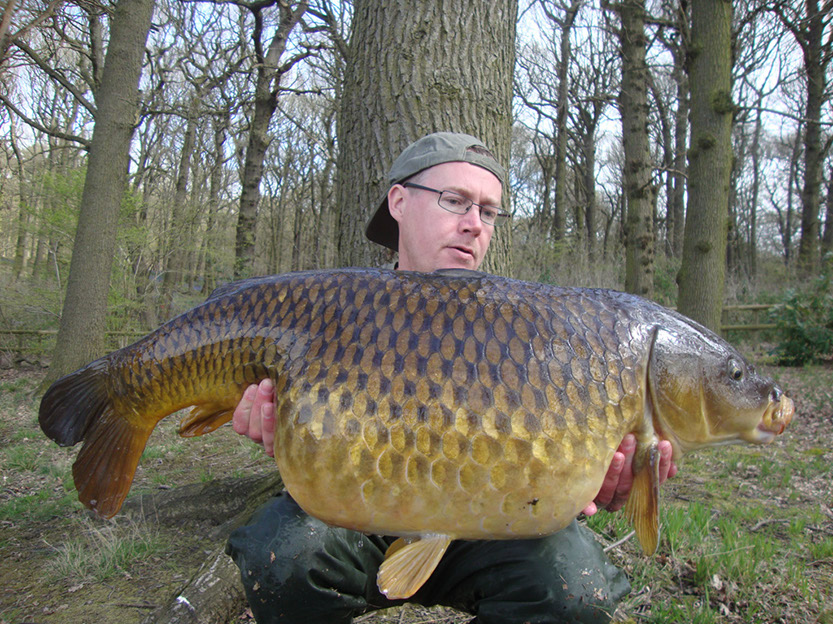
(433, 407)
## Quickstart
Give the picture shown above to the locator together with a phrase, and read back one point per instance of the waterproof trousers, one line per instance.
(298, 570)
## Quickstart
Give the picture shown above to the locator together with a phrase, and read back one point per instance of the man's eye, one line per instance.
(487, 212)
(455, 200)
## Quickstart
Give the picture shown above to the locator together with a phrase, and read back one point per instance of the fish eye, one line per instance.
(735, 370)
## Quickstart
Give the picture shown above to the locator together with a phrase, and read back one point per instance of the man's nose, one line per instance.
(470, 222)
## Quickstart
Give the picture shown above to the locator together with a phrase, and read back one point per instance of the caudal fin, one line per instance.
(79, 407)
(72, 404)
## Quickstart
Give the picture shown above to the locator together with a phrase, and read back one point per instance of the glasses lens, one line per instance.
(488, 214)
(459, 204)
(454, 202)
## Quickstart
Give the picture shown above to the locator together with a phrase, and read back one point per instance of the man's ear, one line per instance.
(396, 201)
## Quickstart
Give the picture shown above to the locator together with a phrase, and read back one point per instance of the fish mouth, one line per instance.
(778, 414)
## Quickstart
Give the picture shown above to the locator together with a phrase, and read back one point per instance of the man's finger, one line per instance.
(623, 487)
(614, 473)
(267, 411)
(242, 413)
(265, 392)
(667, 468)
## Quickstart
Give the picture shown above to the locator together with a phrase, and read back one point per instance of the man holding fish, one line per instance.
(440, 212)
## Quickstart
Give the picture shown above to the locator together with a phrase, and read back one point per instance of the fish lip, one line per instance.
(777, 416)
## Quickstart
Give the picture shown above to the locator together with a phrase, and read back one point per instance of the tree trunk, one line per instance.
(756, 190)
(565, 58)
(639, 188)
(814, 67)
(588, 151)
(22, 224)
(703, 270)
(667, 162)
(416, 68)
(680, 76)
(220, 126)
(269, 75)
(176, 240)
(84, 318)
(827, 237)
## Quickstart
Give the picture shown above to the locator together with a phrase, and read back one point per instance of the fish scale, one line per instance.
(407, 429)
(452, 405)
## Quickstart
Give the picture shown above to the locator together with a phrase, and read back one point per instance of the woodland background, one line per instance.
(680, 150)
(153, 149)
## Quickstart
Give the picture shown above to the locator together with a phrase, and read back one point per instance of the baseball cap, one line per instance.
(434, 149)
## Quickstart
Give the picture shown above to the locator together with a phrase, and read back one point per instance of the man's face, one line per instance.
(431, 238)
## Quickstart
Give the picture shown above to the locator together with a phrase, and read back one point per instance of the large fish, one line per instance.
(452, 405)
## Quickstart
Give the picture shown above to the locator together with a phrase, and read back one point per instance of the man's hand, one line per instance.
(254, 416)
(619, 479)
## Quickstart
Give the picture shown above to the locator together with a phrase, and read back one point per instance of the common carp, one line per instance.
(450, 405)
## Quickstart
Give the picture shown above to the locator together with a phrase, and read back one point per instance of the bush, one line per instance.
(805, 323)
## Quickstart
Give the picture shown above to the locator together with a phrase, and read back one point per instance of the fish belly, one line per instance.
(459, 477)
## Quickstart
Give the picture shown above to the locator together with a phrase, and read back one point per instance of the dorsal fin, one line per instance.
(460, 273)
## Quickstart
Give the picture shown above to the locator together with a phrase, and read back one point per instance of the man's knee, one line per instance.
(584, 585)
(296, 568)
(565, 577)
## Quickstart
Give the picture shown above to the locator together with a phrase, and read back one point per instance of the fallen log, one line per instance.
(214, 595)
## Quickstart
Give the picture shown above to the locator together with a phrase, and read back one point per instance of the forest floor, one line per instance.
(747, 532)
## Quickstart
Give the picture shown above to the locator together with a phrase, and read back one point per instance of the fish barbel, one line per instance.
(450, 405)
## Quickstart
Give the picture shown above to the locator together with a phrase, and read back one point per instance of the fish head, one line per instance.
(703, 392)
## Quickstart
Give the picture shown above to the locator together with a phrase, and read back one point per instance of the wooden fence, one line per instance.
(735, 318)
(745, 317)
(42, 340)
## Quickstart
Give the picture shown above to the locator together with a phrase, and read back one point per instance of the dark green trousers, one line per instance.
(297, 569)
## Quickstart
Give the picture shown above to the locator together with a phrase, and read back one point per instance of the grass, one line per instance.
(99, 553)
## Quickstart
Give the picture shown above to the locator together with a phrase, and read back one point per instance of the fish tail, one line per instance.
(73, 403)
(79, 407)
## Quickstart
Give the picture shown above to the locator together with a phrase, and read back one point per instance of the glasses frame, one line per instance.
(500, 218)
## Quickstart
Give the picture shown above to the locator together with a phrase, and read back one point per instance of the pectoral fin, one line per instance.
(205, 418)
(642, 508)
(408, 564)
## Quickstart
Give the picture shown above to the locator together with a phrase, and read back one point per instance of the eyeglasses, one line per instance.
(460, 204)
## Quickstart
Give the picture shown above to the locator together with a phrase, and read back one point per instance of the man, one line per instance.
(439, 213)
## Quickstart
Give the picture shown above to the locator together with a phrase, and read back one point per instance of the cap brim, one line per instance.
(382, 228)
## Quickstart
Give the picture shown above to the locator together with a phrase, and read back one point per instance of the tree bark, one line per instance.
(416, 68)
(84, 318)
(639, 188)
(703, 270)
(214, 595)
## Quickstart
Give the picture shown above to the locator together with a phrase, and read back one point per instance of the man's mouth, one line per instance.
(465, 250)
